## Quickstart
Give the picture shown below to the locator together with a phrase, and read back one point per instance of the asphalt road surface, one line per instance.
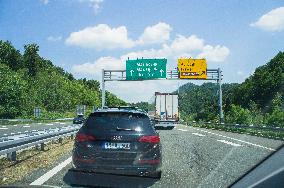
(192, 157)
(6, 130)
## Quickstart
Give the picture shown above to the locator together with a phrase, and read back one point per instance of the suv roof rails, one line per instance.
(125, 108)
(122, 107)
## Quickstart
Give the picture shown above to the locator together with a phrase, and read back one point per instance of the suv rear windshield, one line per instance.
(119, 121)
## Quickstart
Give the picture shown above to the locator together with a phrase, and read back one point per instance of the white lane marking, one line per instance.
(3, 128)
(5, 134)
(39, 123)
(197, 134)
(26, 126)
(52, 172)
(249, 143)
(49, 124)
(62, 123)
(230, 143)
(15, 125)
(182, 130)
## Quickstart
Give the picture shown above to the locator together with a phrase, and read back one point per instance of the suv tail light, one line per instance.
(84, 137)
(150, 139)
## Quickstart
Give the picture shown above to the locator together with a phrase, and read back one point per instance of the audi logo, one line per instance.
(116, 138)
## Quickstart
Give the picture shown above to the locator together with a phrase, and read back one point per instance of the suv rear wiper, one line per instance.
(124, 129)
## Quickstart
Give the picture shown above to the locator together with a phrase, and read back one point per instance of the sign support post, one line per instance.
(103, 88)
(220, 96)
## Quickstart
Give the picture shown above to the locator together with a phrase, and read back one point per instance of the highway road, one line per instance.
(192, 157)
(6, 130)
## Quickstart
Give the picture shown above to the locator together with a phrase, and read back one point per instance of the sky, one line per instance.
(86, 36)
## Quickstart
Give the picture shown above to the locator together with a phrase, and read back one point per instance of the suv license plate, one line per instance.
(111, 145)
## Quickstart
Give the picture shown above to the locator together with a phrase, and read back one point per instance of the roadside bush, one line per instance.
(239, 115)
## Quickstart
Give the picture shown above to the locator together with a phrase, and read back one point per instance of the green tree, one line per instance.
(240, 115)
(10, 56)
(12, 92)
(31, 58)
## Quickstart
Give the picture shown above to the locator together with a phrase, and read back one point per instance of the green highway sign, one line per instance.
(146, 69)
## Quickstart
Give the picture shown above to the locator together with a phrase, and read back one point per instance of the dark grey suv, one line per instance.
(118, 141)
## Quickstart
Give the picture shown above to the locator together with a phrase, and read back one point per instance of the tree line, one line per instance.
(28, 81)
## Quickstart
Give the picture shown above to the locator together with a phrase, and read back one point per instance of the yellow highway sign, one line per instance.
(192, 68)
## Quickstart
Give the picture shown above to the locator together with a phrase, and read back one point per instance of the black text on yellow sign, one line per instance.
(192, 68)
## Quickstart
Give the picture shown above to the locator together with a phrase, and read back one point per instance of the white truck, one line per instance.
(166, 110)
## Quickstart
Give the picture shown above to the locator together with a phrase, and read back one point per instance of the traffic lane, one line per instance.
(189, 160)
(192, 160)
(266, 142)
(6, 130)
(66, 177)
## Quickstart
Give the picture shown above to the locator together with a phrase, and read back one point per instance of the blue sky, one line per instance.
(83, 36)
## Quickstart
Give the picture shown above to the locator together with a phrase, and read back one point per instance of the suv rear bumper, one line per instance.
(135, 171)
(140, 170)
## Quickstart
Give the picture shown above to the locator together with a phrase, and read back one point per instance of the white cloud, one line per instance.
(183, 44)
(158, 33)
(214, 54)
(95, 4)
(100, 37)
(271, 21)
(95, 69)
(103, 36)
(45, 2)
(54, 39)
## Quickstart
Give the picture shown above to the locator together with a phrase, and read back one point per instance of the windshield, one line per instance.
(117, 122)
(185, 93)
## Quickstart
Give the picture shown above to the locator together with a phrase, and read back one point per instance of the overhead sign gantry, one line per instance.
(155, 69)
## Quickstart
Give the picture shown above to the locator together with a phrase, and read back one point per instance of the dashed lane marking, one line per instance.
(197, 134)
(3, 128)
(49, 124)
(182, 130)
(249, 143)
(230, 143)
(26, 126)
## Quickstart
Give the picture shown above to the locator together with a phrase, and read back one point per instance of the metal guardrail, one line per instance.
(11, 144)
(263, 127)
(30, 120)
(239, 126)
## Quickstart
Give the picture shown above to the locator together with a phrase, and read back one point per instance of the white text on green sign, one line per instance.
(146, 69)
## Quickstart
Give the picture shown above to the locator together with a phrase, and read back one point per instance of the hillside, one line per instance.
(28, 81)
(259, 99)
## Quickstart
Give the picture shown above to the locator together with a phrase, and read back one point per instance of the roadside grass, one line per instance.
(277, 135)
(31, 160)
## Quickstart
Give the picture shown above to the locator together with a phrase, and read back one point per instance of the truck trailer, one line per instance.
(166, 109)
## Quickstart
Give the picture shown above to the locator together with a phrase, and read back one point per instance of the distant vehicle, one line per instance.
(167, 110)
(118, 141)
(79, 119)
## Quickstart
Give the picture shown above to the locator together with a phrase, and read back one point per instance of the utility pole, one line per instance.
(103, 88)
(220, 96)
